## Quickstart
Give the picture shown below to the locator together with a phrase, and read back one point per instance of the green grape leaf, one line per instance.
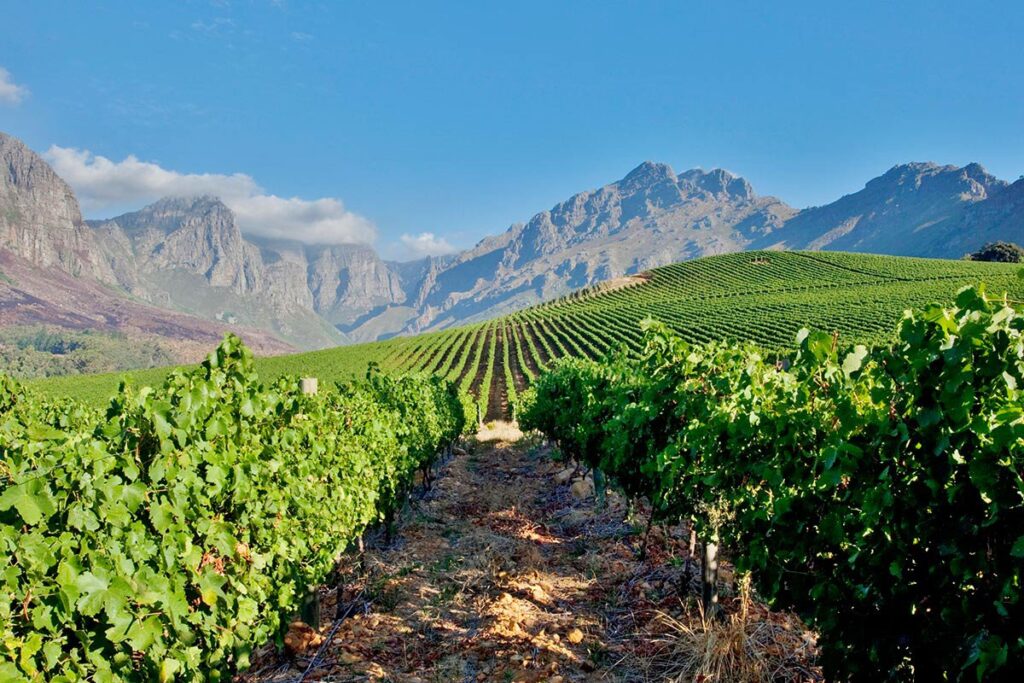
(31, 499)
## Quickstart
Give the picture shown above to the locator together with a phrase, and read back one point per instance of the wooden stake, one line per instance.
(308, 385)
(709, 580)
(311, 609)
(600, 489)
(647, 534)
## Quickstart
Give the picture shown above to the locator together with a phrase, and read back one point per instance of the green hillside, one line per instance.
(765, 297)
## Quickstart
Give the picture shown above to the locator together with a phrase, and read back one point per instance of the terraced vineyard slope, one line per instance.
(764, 297)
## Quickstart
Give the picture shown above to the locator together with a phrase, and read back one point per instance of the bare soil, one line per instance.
(497, 395)
(507, 571)
(622, 282)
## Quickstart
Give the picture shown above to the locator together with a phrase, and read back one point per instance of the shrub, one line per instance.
(166, 539)
(878, 492)
(1003, 252)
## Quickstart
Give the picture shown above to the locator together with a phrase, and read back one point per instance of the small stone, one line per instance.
(301, 637)
(582, 489)
(575, 636)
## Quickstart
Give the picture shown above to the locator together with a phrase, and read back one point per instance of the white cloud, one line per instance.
(319, 221)
(427, 244)
(102, 184)
(10, 92)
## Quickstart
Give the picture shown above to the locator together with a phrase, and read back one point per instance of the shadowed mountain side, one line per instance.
(918, 209)
(30, 295)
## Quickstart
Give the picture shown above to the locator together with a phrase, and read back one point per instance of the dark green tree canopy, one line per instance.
(1003, 252)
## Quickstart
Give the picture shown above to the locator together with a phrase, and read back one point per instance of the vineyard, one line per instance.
(169, 537)
(814, 420)
(877, 492)
(761, 297)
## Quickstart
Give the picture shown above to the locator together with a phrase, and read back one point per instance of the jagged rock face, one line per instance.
(276, 280)
(349, 281)
(649, 218)
(285, 274)
(197, 234)
(189, 254)
(40, 220)
(999, 218)
(906, 211)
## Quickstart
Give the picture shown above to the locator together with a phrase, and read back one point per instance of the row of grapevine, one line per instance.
(168, 537)
(878, 492)
(761, 297)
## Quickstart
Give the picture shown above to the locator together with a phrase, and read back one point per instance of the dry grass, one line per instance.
(499, 431)
(748, 645)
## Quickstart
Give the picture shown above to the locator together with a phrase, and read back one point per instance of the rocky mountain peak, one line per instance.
(972, 181)
(40, 219)
(649, 172)
(718, 182)
(197, 234)
(189, 204)
(976, 170)
(188, 252)
(24, 172)
(917, 208)
(172, 213)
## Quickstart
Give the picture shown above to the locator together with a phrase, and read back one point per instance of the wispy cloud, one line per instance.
(427, 244)
(10, 92)
(300, 37)
(217, 25)
(103, 184)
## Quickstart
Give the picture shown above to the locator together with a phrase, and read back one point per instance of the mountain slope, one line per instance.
(55, 273)
(40, 220)
(913, 210)
(1000, 218)
(649, 218)
(653, 217)
(53, 298)
(188, 254)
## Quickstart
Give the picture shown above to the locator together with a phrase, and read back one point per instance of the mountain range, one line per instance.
(182, 271)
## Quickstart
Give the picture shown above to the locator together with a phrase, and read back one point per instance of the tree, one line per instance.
(1003, 252)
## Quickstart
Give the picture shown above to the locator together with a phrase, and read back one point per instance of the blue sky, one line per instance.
(375, 120)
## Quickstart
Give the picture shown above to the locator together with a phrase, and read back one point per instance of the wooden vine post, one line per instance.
(310, 612)
(709, 580)
(600, 489)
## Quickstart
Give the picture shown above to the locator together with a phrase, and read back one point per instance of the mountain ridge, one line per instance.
(189, 255)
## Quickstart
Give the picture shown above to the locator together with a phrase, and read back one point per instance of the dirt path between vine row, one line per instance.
(506, 571)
